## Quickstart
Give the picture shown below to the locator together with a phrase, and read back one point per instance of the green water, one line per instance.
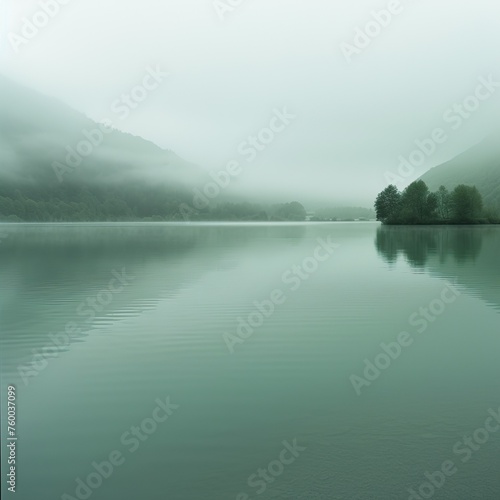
(167, 328)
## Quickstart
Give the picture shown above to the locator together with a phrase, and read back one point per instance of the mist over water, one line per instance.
(249, 249)
(366, 83)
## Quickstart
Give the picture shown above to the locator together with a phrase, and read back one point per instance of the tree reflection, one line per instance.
(417, 244)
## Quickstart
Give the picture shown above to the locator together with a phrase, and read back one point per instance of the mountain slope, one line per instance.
(478, 166)
(121, 177)
(35, 132)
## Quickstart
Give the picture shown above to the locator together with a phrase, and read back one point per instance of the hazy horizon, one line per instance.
(249, 249)
(351, 114)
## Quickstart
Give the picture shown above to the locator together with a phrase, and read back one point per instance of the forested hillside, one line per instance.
(479, 166)
(57, 165)
(48, 172)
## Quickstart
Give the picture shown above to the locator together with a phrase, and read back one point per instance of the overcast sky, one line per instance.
(356, 109)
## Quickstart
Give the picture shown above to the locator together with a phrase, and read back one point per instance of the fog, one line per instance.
(348, 104)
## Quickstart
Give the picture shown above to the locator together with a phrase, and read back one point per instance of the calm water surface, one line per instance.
(166, 327)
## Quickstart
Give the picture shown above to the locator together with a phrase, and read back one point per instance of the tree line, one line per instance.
(74, 203)
(418, 205)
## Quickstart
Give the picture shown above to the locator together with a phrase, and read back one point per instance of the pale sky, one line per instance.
(352, 119)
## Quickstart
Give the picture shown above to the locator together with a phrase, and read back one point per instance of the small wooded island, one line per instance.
(417, 205)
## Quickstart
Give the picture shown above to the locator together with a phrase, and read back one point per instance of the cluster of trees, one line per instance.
(417, 205)
(77, 203)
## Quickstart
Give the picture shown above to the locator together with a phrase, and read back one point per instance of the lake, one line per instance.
(243, 361)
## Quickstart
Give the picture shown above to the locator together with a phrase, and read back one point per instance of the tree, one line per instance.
(432, 206)
(296, 211)
(32, 213)
(417, 204)
(388, 203)
(293, 211)
(467, 203)
(443, 203)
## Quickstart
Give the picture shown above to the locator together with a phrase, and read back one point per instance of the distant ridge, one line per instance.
(36, 130)
(56, 164)
(478, 166)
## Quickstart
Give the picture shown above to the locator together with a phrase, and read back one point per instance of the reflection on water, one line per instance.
(468, 254)
(53, 268)
(162, 335)
(418, 243)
